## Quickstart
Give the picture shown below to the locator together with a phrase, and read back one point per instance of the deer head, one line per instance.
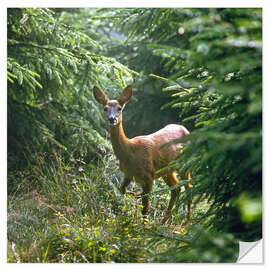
(113, 107)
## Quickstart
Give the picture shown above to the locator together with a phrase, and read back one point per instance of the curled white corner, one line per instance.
(250, 252)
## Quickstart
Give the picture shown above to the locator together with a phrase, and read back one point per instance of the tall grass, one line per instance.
(74, 212)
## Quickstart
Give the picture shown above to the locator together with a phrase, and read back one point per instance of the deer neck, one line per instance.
(119, 141)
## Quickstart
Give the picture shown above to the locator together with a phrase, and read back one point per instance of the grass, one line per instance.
(74, 212)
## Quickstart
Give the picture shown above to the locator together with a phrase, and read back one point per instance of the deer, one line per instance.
(142, 157)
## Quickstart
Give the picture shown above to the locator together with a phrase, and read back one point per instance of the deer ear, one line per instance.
(100, 96)
(125, 96)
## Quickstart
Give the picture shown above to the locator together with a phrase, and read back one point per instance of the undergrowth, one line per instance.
(73, 212)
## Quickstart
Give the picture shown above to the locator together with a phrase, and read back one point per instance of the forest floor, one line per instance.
(74, 212)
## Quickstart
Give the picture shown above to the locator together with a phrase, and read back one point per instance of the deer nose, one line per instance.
(112, 119)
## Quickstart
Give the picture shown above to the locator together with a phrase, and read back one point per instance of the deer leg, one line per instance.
(171, 180)
(147, 188)
(124, 185)
(135, 194)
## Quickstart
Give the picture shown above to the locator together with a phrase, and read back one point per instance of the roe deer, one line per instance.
(141, 157)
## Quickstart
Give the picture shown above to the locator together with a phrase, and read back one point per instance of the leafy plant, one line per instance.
(52, 68)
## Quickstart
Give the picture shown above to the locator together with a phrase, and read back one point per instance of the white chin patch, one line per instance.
(114, 123)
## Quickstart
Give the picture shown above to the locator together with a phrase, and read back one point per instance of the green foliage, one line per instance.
(221, 247)
(79, 215)
(64, 204)
(213, 68)
(52, 68)
(133, 50)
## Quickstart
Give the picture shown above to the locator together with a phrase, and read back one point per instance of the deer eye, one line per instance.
(105, 109)
(119, 109)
